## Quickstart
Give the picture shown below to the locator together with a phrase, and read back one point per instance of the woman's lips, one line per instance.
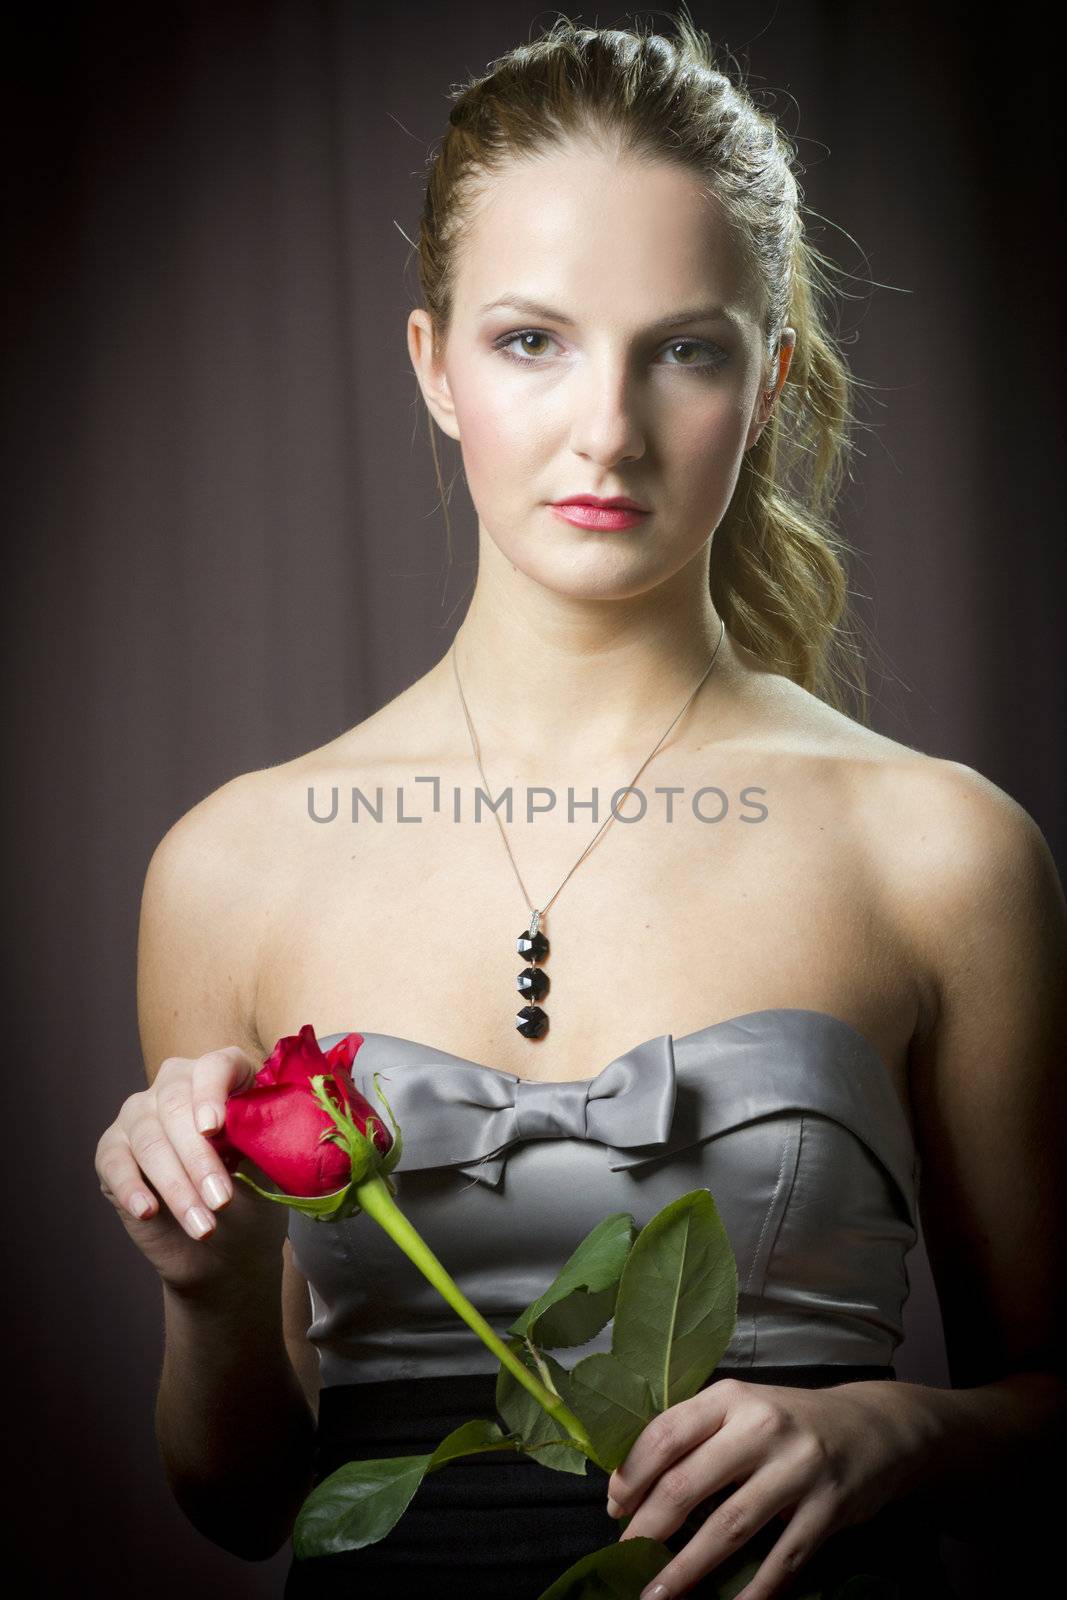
(603, 517)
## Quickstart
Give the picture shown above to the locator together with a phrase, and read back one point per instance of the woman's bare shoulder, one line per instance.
(950, 834)
(780, 716)
(213, 887)
(953, 856)
(934, 825)
(935, 820)
(223, 833)
(241, 818)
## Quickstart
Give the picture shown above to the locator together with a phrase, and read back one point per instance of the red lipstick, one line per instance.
(590, 511)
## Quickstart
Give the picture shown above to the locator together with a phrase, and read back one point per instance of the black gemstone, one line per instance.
(533, 948)
(532, 982)
(531, 1021)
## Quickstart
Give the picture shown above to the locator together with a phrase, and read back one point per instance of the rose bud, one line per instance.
(307, 1127)
(305, 1124)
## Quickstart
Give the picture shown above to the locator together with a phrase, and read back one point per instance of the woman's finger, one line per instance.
(215, 1076)
(682, 1429)
(197, 1154)
(120, 1177)
(698, 1477)
(158, 1160)
(808, 1528)
(735, 1521)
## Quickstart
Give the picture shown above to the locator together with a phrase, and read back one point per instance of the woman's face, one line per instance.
(613, 379)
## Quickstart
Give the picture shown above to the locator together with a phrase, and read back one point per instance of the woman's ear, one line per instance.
(430, 371)
(768, 395)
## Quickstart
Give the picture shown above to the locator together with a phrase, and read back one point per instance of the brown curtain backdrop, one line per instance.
(223, 544)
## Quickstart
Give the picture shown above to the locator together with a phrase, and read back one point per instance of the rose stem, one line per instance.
(377, 1202)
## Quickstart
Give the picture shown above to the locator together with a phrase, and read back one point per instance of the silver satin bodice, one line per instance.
(788, 1117)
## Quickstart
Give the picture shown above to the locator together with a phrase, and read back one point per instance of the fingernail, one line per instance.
(207, 1119)
(215, 1191)
(656, 1592)
(199, 1220)
(140, 1205)
(614, 1508)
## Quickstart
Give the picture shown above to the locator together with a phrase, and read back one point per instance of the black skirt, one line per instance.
(503, 1526)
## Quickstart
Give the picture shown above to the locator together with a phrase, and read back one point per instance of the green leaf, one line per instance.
(615, 1572)
(575, 1319)
(359, 1503)
(530, 1421)
(614, 1403)
(677, 1302)
(324, 1207)
(581, 1300)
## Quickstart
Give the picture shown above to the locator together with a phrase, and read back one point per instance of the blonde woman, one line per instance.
(804, 965)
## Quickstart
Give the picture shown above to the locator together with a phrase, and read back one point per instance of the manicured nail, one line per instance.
(207, 1119)
(215, 1191)
(199, 1220)
(140, 1204)
(656, 1592)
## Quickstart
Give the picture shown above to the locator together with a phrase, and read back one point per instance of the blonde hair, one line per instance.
(777, 573)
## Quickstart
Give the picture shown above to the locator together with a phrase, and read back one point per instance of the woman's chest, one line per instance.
(666, 926)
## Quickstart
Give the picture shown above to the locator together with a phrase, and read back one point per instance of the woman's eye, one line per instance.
(713, 355)
(513, 338)
(696, 345)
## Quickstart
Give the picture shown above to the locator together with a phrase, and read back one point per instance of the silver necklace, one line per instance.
(532, 982)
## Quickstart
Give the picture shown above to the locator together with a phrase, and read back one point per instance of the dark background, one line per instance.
(223, 545)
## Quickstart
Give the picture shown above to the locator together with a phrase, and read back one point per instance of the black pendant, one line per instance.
(532, 945)
(532, 983)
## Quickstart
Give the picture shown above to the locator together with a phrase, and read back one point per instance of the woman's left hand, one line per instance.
(820, 1459)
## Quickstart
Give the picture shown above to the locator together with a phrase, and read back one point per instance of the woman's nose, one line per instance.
(607, 423)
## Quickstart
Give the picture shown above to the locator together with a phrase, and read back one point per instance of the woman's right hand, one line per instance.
(167, 1181)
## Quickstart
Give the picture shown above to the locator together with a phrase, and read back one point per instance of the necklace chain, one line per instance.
(537, 914)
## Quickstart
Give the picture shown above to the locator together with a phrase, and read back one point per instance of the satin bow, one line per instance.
(467, 1115)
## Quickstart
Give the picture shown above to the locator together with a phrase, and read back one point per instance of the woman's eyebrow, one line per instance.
(534, 308)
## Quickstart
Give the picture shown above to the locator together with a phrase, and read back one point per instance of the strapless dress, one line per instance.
(791, 1120)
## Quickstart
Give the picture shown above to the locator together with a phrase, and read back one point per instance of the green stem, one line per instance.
(375, 1199)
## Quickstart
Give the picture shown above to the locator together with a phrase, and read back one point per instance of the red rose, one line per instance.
(278, 1122)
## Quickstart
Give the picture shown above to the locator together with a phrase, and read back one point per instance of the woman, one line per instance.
(843, 952)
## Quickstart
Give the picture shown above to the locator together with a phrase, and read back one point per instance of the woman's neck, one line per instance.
(557, 683)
